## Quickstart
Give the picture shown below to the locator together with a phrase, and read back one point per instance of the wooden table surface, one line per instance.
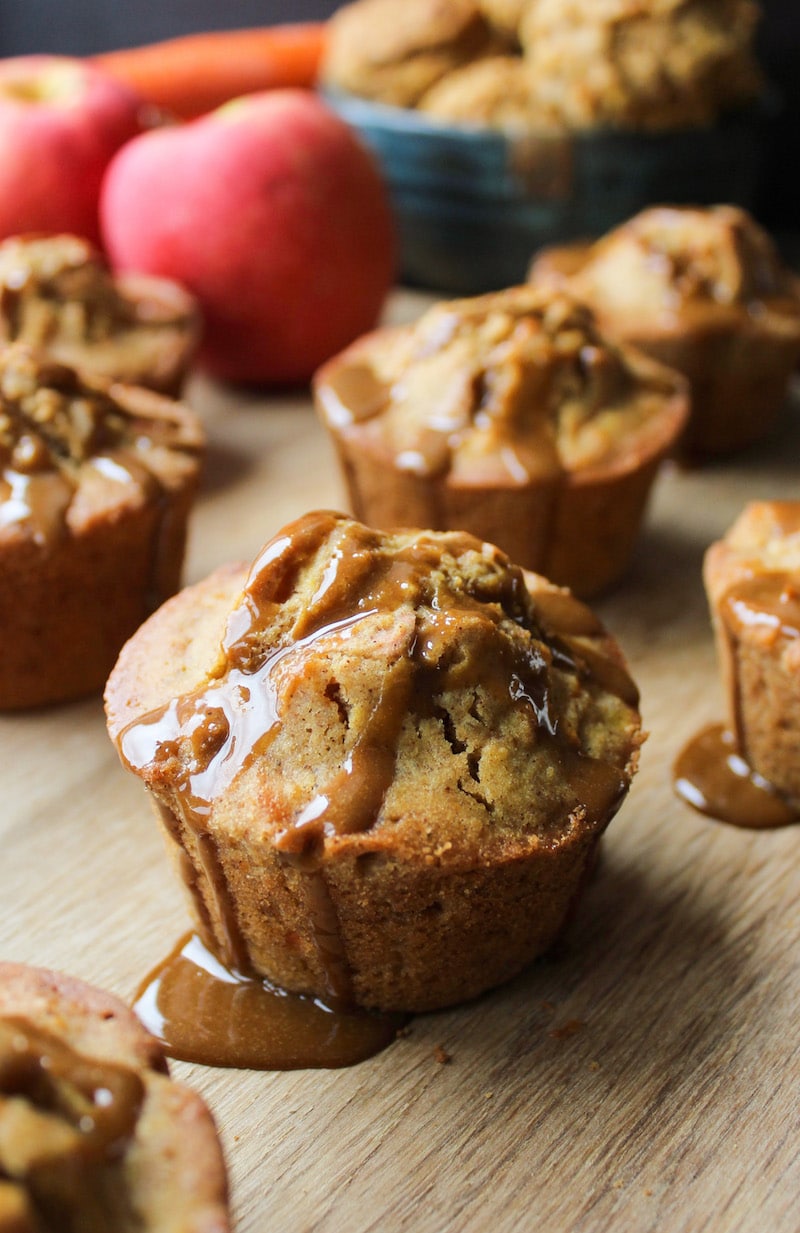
(645, 1077)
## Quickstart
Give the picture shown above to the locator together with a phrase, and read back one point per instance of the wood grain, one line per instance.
(643, 1078)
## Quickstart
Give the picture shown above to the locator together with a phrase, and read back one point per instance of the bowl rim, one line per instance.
(374, 114)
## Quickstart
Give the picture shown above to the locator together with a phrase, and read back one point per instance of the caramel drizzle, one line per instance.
(508, 405)
(98, 1100)
(769, 601)
(711, 775)
(39, 473)
(208, 737)
(713, 772)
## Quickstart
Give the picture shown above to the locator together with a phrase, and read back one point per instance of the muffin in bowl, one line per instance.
(704, 291)
(510, 416)
(661, 66)
(383, 760)
(94, 1134)
(96, 487)
(394, 53)
(58, 295)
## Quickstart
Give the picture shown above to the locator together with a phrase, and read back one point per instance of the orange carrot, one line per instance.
(197, 72)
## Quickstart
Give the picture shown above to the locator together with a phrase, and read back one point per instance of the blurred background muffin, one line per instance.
(394, 53)
(663, 65)
(706, 292)
(511, 416)
(589, 63)
(98, 479)
(58, 295)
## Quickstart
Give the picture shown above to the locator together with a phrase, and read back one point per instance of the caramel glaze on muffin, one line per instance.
(95, 488)
(94, 1135)
(704, 291)
(58, 295)
(384, 761)
(752, 577)
(508, 415)
(395, 52)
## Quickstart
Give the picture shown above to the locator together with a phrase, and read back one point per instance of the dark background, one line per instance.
(81, 27)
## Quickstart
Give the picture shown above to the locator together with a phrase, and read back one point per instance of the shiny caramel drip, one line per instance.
(38, 501)
(354, 393)
(97, 1100)
(712, 772)
(712, 777)
(767, 600)
(66, 1121)
(567, 620)
(203, 740)
(204, 1012)
(54, 430)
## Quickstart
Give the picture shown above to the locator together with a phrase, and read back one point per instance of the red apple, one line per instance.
(61, 120)
(274, 215)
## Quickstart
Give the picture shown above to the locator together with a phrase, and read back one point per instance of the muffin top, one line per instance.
(395, 52)
(681, 266)
(88, 1115)
(408, 692)
(57, 294)
(508, 387)
(653, 65)
(74, 446)
(493, 92)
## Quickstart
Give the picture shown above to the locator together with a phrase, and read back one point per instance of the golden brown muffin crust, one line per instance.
(389, 713)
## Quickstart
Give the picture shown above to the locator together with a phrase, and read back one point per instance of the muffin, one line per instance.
(507, 415)
(704, 291)
(659, 65)
(494, 92)
(58, 295)
(94, 1135)
(384, 761)
(97, 482)
(752, 578)
(394, 53)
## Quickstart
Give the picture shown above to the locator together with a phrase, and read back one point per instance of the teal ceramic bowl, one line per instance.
(472, 205)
